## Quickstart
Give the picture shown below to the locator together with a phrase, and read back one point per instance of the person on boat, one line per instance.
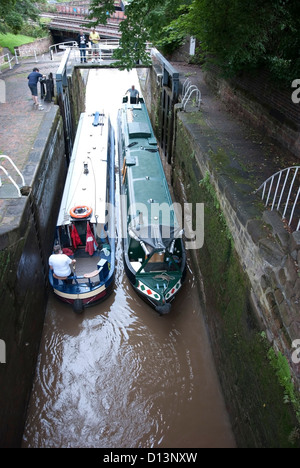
(134, 95)
(61, 264)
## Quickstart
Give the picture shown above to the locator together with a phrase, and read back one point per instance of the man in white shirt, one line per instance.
(60, 264)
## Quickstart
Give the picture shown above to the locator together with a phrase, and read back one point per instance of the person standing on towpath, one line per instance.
(33, 79)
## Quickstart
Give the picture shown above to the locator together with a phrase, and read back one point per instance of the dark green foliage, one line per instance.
(247, 35)
(146, 21)
(14, 14)
(240, 35)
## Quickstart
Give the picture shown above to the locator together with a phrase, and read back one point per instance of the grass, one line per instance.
(10, 41)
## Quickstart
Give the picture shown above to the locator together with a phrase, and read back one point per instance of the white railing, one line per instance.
(281, 191)
(62, 46)
(7, 60)
(2, 156)
(106, 48)
(26, 53)
(188, 89)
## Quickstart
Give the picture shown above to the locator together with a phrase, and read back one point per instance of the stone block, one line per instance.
(290, 270)
(271, 300)
(256, 230)
(294, 330)
(264, 282)
(286, 314)
(271, 251)
(282, 276)
(278, 296)
(296, 294)
(294, 241)
(274, 220)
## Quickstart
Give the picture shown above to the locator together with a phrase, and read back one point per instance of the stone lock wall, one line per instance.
(26, 241)
(250, 284)
(25, 244)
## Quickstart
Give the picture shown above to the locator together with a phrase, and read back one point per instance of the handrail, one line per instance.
(274, 193)
(185, 85)
(103, 44)
(64, 44)
(188, 89)
(11, 179)
(3, 156)
(9, 60)
(26, 53)
(188, 94)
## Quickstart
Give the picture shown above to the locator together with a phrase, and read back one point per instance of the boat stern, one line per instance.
(159, 289)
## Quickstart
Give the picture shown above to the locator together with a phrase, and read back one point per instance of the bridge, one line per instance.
(70, 18)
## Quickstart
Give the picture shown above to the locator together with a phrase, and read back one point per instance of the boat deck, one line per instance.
(84, 262)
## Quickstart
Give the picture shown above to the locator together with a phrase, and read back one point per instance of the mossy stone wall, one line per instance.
(253, 394)
(25, 244)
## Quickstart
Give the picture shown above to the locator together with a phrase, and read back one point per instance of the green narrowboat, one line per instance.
(153, 249)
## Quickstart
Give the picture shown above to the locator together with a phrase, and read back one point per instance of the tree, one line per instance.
(240, 35)
(246, 35)
(14, 13)
(145, 22)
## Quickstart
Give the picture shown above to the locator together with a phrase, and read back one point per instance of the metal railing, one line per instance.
(7, 60)
(26, 53)
(2, 156)
(106, 48)
(281, 191)
(62, 46)
(188, 89)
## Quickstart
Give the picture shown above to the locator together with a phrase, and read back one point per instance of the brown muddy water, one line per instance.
(121, 376)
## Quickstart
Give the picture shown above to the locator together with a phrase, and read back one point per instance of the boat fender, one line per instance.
(78, 306)
(79, 212)
(163, 309)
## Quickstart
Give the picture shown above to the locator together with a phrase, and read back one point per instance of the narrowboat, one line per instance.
(153, 249)
(85, 227)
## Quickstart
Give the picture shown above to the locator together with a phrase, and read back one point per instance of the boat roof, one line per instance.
(147, 185)
(86, 180)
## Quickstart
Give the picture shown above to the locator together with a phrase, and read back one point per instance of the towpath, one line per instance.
(250, 151)
(19, 121)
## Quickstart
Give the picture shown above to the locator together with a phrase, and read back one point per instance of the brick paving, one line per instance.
(19, 120)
